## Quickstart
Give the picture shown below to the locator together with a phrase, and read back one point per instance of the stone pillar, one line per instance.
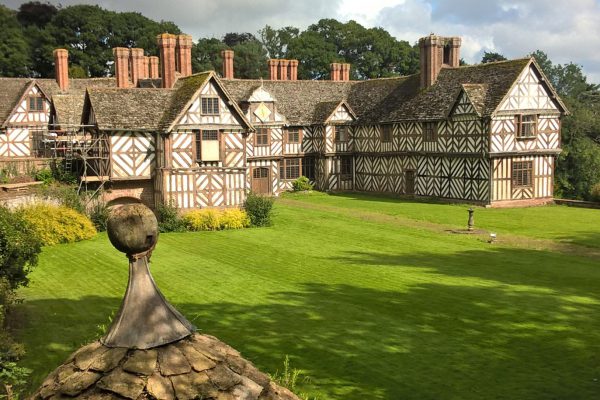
(184, 55)
(166, 49)
(121, 66)
(61, 68)
(227, 56)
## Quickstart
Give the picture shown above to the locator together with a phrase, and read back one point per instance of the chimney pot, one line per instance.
(283, 69)
(227, 56)
(437, 51)
(166, 47)
(61, 68)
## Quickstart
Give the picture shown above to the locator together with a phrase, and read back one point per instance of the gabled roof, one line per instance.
(186, 90)
(131, 109)
(324, 111)
(476, 93)
(11, 91)
(67, 109)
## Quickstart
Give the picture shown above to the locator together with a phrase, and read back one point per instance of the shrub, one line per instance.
(595, 192)
(169, 219)
(58, 224)
(45, 175)
(19, 247)
(62, 174)
(234, 218)
(301, 184)
(98, 214)
(65, 195)
(259, 209)
(212, 220)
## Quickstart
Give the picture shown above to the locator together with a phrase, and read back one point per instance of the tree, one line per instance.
(490, 56)
(276, 41)
(14, 49)
(36, 13)
(206, 54)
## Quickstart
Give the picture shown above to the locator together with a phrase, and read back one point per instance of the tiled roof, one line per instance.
(11, 90)
(135, 108)
(183, 91)
(296, 100)
(68, 109)
(477, 94)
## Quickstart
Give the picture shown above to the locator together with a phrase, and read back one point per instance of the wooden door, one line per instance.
(410, 182)
(261, 180)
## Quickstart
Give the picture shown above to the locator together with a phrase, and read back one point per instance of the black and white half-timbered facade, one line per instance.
(486, 134)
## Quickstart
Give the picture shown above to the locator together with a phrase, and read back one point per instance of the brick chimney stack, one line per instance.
(145, 68)
(184, 55)
(137, 66)
(153, 67)
(283, 69)
(437, 52)
(166, 49)
(344, 72)
(122, 66)
(273, 68)
(293, 70)
(335, 71)
(61, 68)
(227, 63)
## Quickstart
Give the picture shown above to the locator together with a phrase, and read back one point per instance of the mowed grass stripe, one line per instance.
(368, 308)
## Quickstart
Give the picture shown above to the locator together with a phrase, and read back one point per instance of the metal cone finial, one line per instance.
(145, 319)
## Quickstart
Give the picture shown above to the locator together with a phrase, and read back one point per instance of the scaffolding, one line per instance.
(82, 150)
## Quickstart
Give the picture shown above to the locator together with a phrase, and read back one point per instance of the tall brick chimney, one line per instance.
(145, 67)
(437, 52)
(121, 66)
(273, 69)
(137, 66)
(335, 71)
(344, 72)
(153, 67)
(283, 69)
(166, 49)
(61, 68)
(227, 56)
(293, 70)
(184, 54)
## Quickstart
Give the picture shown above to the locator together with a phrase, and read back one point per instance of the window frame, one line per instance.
(210, 110)
(347, 171)
(267, 135)
(430, 131)
(387, 133)
(285, 168)
(522, 177)
(197, 143)
(39, 103)
(336, 137)
(309, 168)
(520, 124)
(293, 130)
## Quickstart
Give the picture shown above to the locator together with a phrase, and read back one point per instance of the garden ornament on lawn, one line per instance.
(151, 351)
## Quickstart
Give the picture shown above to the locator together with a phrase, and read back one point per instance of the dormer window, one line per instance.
(36, 103)
(526, 126)
(210, 105)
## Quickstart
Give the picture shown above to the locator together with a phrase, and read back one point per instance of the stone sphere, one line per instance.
(132, 228)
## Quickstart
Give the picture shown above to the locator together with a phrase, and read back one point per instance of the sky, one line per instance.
(568, 31)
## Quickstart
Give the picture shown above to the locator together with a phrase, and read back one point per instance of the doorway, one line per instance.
(261, 180)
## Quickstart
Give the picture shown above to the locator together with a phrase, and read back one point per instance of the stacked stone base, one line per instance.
(196, 367)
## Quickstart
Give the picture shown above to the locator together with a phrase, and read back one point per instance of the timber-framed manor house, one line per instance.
(486, 134)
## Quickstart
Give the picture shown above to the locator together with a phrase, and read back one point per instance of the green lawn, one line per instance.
(369, 307)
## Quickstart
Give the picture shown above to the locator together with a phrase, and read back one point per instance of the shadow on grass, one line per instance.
(469, 326)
